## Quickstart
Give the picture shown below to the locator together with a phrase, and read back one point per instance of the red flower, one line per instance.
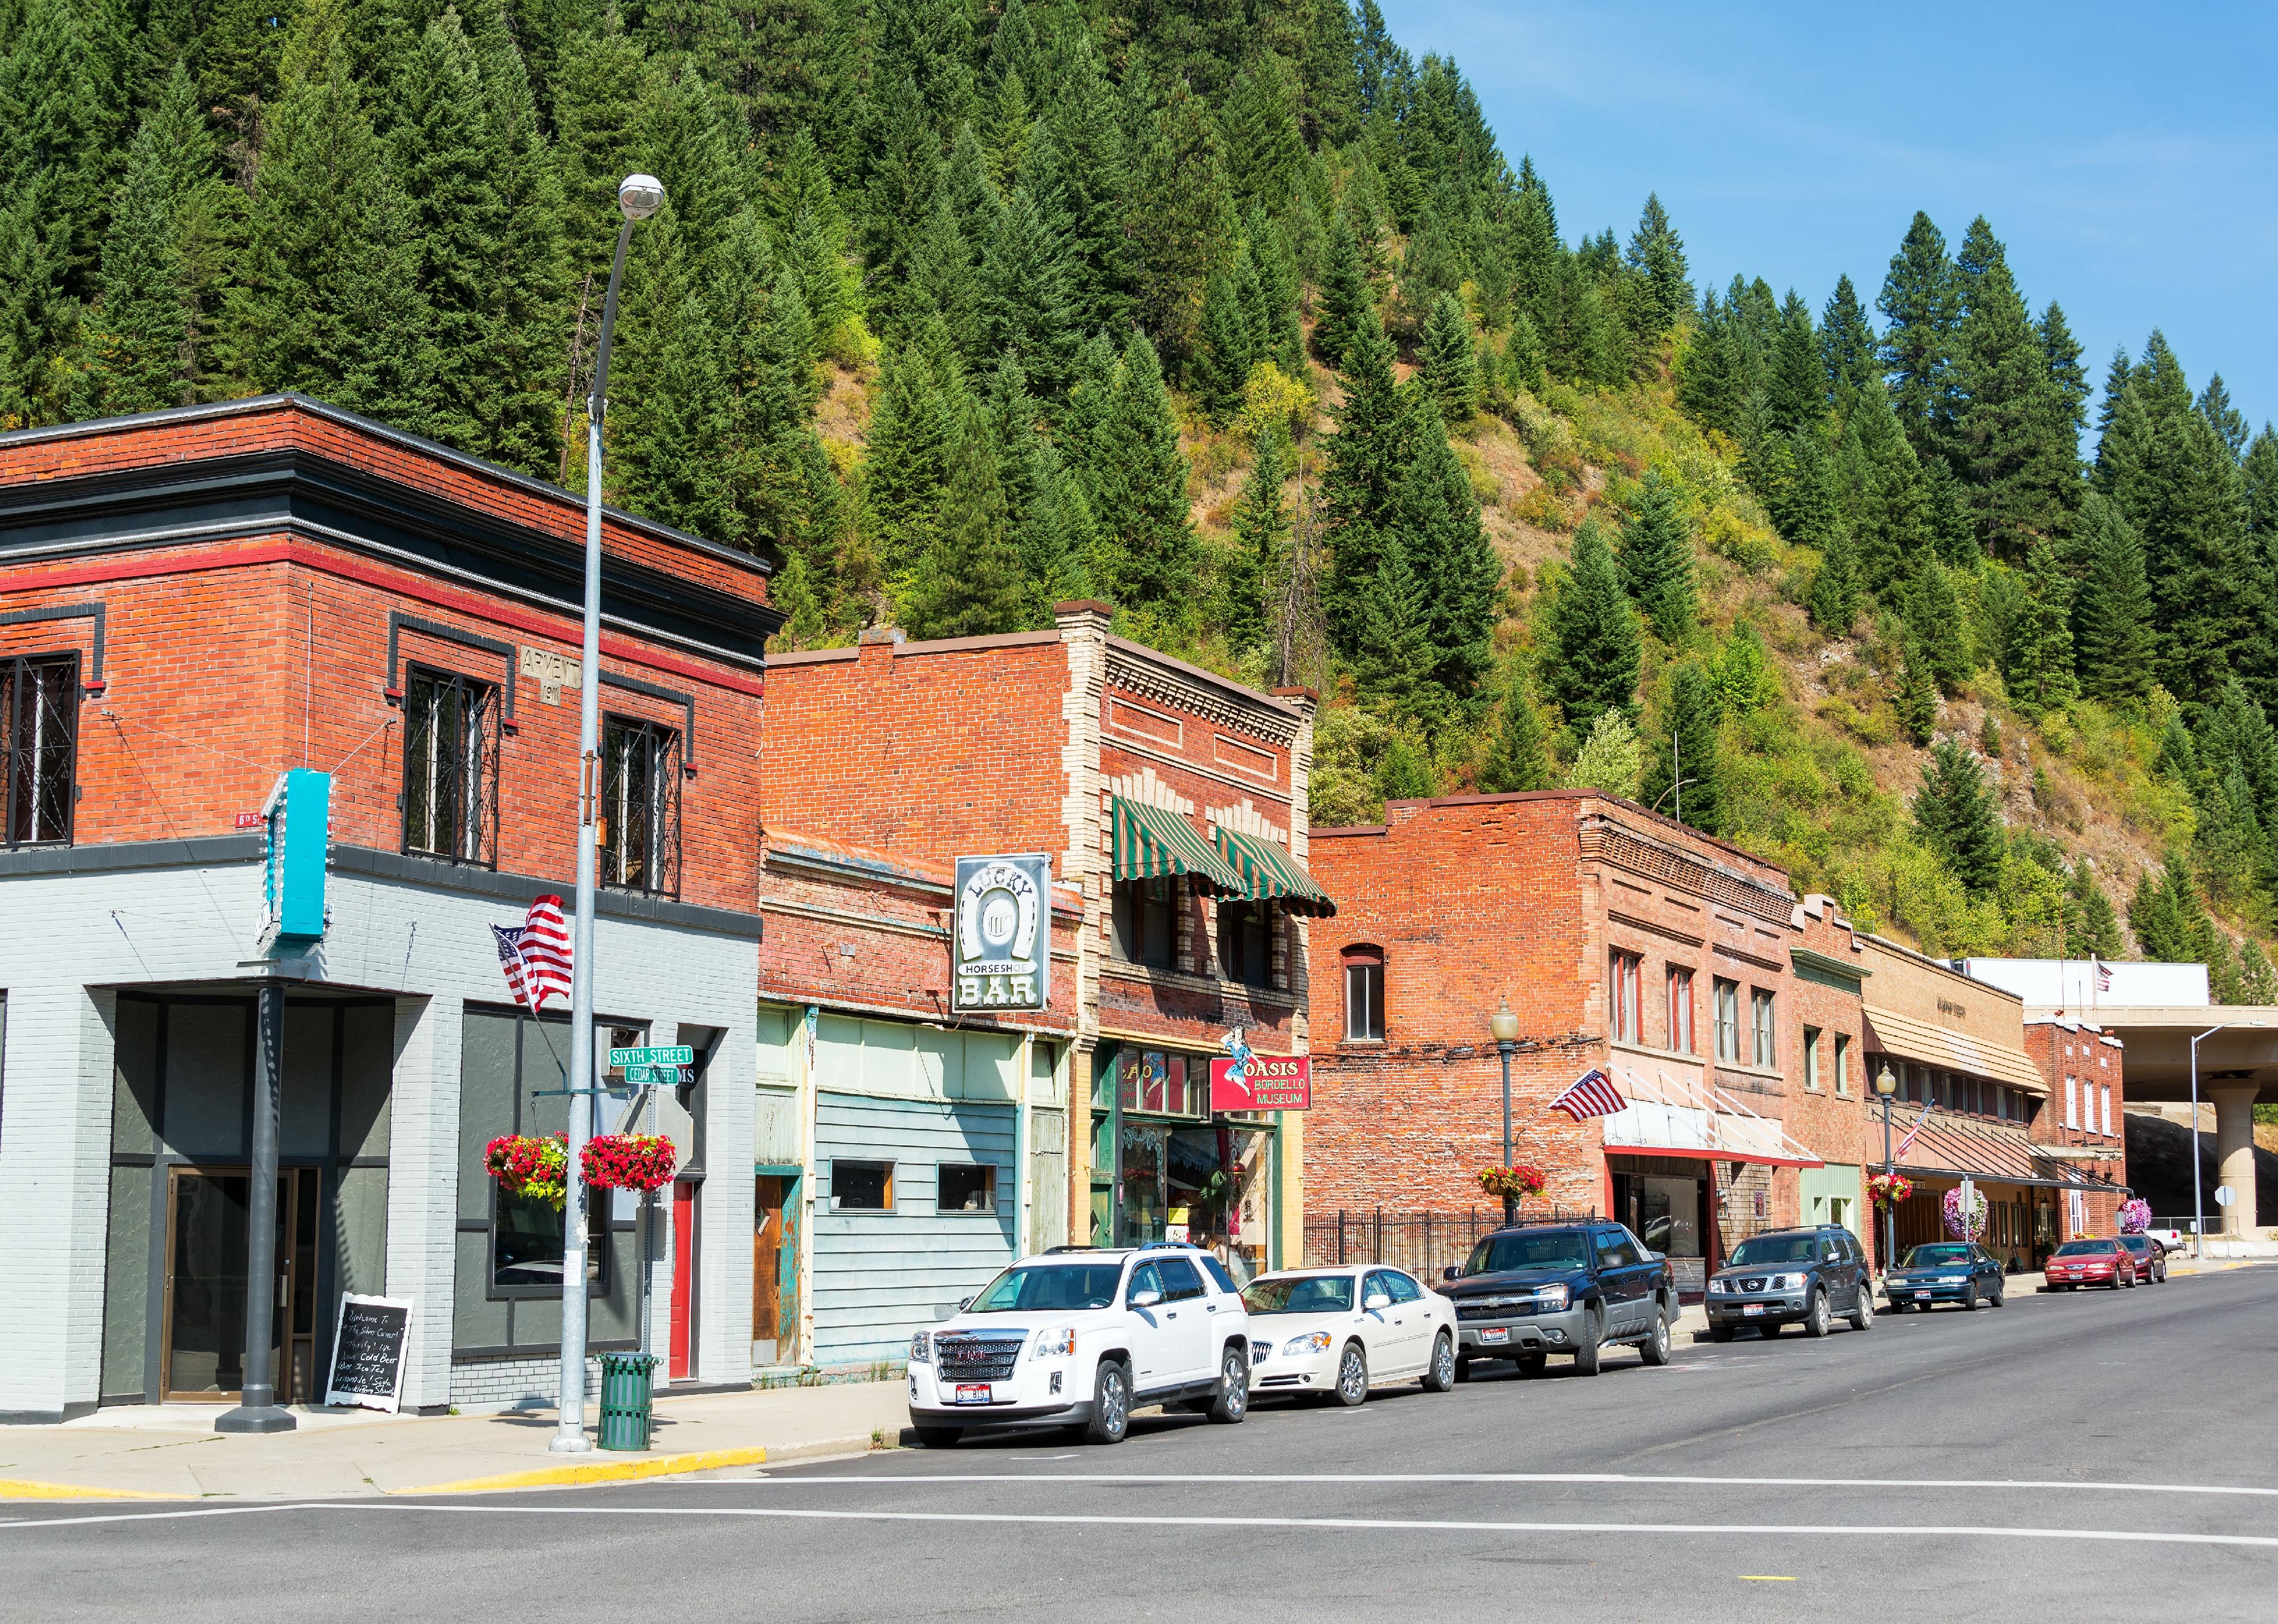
(628, 1161)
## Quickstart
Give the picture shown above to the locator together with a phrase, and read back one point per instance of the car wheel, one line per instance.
(1532, 1365)
(1589, 1349)
(1969, 1298)
(1815, 1317)
(1720, 1333)
(1352, 1375)
(1111, 1404)
(1862, 1312)
(1441, 1375)
(2131, 1283)
(1232, 1400)
(937, 1437)
(1655, 1348)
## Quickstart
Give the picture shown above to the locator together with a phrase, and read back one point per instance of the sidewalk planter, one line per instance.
(625, 1391)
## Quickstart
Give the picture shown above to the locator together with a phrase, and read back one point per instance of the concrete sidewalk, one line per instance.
(170, 1452)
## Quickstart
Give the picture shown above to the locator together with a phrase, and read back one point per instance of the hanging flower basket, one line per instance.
(535, 1169)
(1516, 1183)
(1889, 1189)
(628, 1161)
(1968, 1225)
(2134, 1216)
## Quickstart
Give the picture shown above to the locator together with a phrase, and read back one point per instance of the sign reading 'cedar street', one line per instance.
(1262, 1083)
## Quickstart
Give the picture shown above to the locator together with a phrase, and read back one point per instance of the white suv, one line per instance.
(1082, 1337)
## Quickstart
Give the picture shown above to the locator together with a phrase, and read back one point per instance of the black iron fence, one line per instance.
(1422, 1242)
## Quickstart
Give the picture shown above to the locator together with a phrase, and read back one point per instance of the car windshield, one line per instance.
(1931, 1257)
(1032, 1287)
(2136, 1243)
(1542, 1249)
(1775, 1249)
(1304, 1294)
(2084, 1249)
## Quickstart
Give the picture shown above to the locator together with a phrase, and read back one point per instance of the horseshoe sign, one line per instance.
(1001, 948)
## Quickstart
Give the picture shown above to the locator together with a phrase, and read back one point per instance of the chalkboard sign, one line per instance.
(368, 1352)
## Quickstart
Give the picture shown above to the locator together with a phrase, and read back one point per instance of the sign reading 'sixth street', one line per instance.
(1262, 1083)
(1001, 951)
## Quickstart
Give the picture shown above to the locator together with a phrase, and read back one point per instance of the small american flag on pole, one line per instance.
(1907, 1143)
(1592, 1094)
(535, 954)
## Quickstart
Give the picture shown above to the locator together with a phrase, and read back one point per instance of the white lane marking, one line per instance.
(1636, 1479)
(1340, 1524)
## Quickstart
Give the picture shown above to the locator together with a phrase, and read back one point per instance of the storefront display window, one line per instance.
(1170, 1172)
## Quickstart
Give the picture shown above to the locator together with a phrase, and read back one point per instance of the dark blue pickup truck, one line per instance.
(1573, 1289)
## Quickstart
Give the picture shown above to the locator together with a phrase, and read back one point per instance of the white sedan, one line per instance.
(1343, 1331)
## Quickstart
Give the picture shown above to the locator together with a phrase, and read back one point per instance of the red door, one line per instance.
(684, 1277)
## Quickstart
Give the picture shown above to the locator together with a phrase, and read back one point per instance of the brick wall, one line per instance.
(2092, 1058)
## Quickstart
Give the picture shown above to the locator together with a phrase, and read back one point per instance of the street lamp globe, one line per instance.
(1502, 1023)
(640, 196)
(1885, 1084)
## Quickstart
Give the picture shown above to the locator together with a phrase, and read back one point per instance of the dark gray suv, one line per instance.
(1800, 1276)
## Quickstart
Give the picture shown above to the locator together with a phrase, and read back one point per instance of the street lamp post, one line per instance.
(1885, 1085)
(1504, 1024)
(640, 197)
(2198, 1218)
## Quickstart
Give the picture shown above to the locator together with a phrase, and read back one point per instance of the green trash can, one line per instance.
(625, 1399)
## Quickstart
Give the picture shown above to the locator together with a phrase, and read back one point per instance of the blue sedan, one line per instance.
(1950, 1271)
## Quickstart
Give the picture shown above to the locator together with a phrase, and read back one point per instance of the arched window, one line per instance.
(1363, 993)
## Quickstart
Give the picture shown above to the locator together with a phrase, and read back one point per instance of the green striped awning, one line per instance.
(1152, 843)
(1269, 872)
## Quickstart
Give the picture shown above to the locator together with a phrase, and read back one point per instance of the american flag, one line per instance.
(535, 954)
(1907, 1143)
(2102, 974)
(1592, 1094)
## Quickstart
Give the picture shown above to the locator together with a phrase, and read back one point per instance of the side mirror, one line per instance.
(1377, 1299)
(1145, 1300)
(963, 1303)
(1451, 1273)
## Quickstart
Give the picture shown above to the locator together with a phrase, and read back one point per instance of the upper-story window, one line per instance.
(1728, 1020)
(1363, 995)
(1147, 920)
(1811, 1059)
(450, 766)
(1764, 1043)
(1627, 970)
(39, 737)
(1245, 941)
(640, 806)
(1680, 1010)
(1842, 1064)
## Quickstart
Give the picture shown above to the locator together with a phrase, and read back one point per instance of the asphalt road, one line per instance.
(2106, 1456)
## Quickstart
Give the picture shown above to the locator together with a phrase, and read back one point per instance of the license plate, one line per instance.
(1753, 1307)
(1498, 1333)
(973, 1392)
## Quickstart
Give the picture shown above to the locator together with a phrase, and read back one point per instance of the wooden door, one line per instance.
(767, 1260)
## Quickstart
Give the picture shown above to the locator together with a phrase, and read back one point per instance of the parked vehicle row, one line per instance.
(1080, 1336)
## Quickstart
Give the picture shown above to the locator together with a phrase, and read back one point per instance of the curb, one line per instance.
(598, 1472)
(26, 1488)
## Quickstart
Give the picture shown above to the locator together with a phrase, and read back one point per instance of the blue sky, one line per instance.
(2124, 155)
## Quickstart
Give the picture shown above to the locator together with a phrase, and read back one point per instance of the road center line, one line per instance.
(1403, 1525)
(1635, 1479)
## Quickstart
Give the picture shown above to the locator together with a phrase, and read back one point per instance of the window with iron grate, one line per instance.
(39, 737)
(450, 767)
(639, 833)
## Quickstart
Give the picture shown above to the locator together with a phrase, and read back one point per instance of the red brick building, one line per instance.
(1171, 805)
(196, 602)
(1624, 942)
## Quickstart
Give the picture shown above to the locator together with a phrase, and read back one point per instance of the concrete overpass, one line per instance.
(2237, 1068)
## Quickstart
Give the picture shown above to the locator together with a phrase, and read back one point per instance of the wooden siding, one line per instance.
(880, 1276)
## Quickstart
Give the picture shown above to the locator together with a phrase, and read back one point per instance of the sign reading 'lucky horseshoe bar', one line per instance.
(1001, 950)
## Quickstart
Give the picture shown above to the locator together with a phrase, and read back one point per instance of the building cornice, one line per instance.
(1216, 699)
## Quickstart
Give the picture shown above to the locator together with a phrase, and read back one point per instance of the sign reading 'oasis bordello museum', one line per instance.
(1001, 950)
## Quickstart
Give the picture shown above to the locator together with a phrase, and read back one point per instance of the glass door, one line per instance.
(207, 1216)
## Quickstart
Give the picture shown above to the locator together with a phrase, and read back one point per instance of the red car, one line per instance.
(2089, 1262)
(2150, 1257)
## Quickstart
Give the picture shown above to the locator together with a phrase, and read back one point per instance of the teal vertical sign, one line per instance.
(300, 815)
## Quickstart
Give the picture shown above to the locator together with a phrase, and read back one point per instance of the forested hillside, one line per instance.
(1236, 315)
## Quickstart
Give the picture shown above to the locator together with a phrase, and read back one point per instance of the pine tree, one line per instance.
(2112, 612)
(1834, 601)
(2035, 642)
(2091, 924)
(968, 583)
(1918, 300)
(1519, 757)
(1916, 700)
(907, 467)
(1365, 457)
(1224, 352)
(1933, 615)
(1656, 559)
(1024, 287)
(2259, 470)
(2258, 980)
(1146, 538)
(1392, 654)
(1261, 533)
(1524, 363)
(1847, 349)
(2169, 922)
(1594, 647)
(1796, 389)
(1450, 369)
(2011, 439)
(597, 121)
(1682, 761)
(1265, 151)
(1957, 816)
(1344, 298)
(1656, 254)
(1181, 224)
(1437, 517)
(2228, 424)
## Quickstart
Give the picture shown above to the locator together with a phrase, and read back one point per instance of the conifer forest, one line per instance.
(1237, 316)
